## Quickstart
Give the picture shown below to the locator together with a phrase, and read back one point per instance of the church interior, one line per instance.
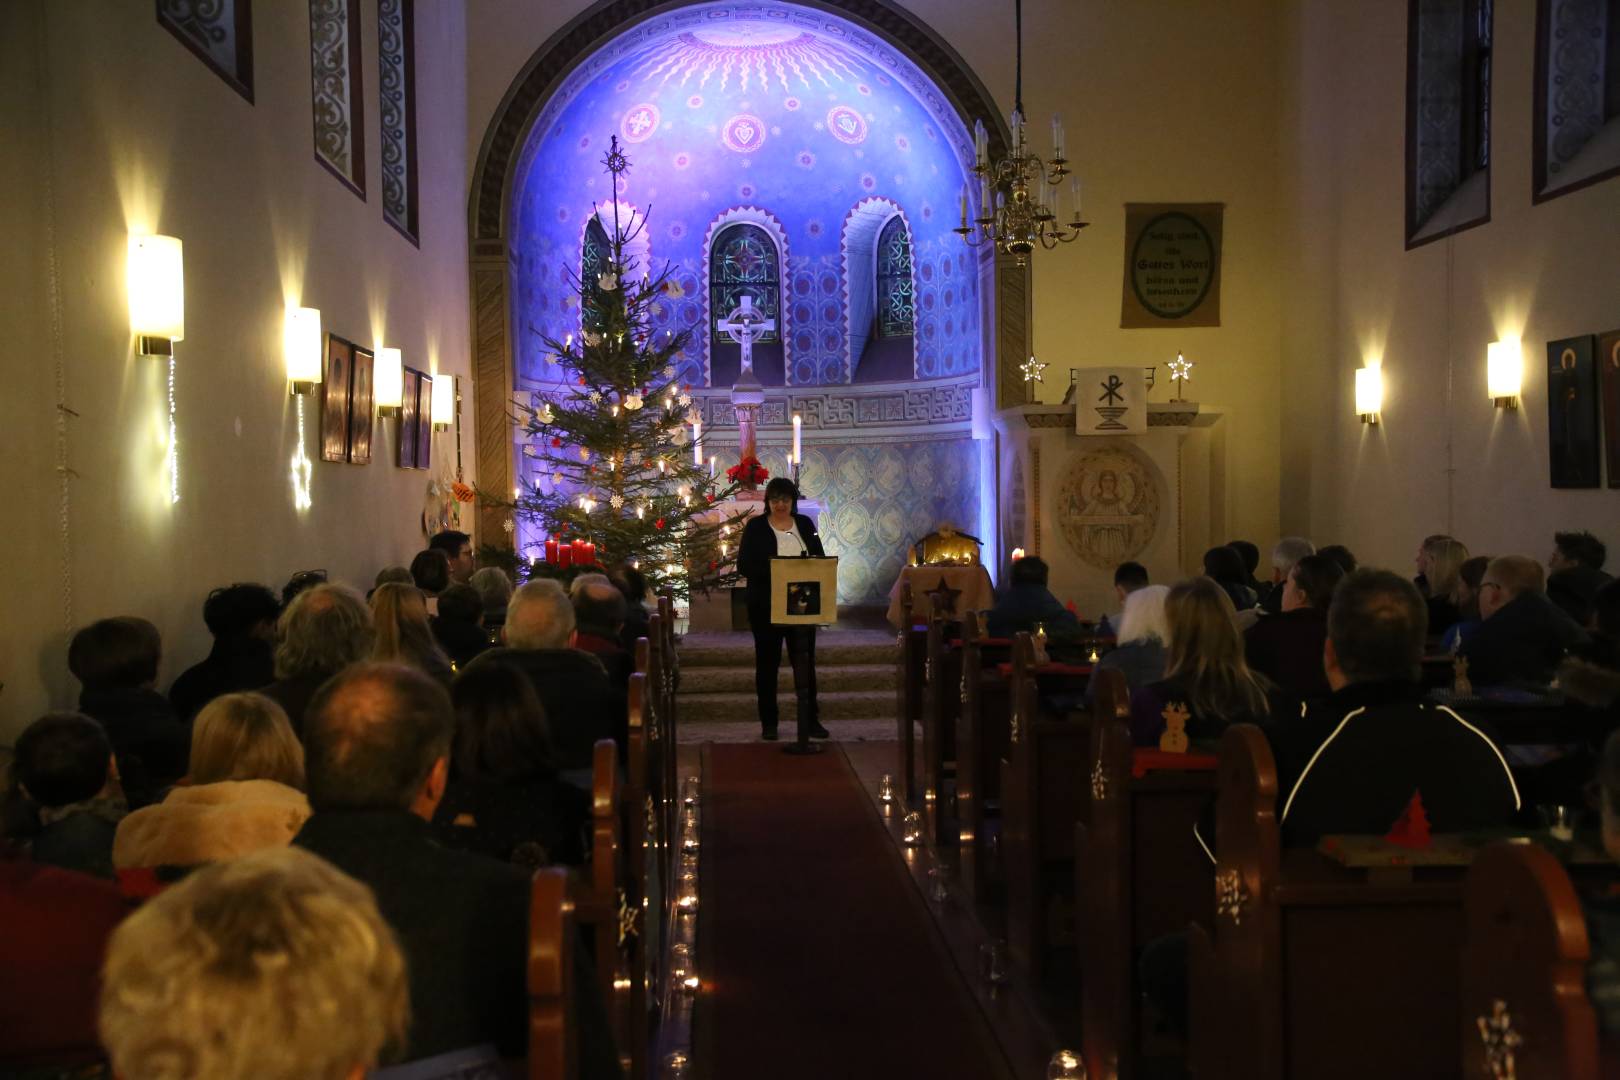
(994, 312)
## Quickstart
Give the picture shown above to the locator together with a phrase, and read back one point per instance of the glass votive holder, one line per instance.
(680, 961)
(911, 829)
(886, 788)
(993, 961)
(1066, 1065)
(1560, 821)
(939, 886)
(690, 843)
(675, 1063)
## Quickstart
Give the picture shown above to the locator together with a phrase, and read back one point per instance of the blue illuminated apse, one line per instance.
(795, 156)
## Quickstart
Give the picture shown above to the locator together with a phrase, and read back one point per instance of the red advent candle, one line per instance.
(565, 557)
(551, 551)
(590, 553)
(579, 552)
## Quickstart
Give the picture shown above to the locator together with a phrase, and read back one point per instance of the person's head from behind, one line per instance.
(781, 495)
(1223, 566)
(1465, 595)
(599, 607)
(501, 726)
(1446, 557)
(377, 737)
(631, 582)
(540, 617)
(458, 552)
(494, 589)
(323, 630)
(241, 611)
(1425, 554)
(1143, 618)
(399, 612)
(275, 965)
(387, 574)
(1249, 553)
(1508, 577)
(1030, 570)
(245, 737)
(1205, 650)
(61, 759)
(121, 653)
(1128, 577)
(1341, 555)
(1310, 583)
(430, 570)
(1571, 549)
(1285, 553)
(1377, 624)
(461, 604)
(300, 581)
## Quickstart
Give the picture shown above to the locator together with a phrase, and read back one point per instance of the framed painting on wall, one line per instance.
(360, 407)
(1608, 363)
(407, 419)
(336, 376)
(1572, 413)
(424, 421)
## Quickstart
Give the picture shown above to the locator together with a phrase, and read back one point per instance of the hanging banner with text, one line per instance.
(1172, 265)
(1110, 401)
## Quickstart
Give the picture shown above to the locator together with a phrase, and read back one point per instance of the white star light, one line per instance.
(1180, 369)
(1034, 370)
(616, 501)
(595, 396)
(684, 400)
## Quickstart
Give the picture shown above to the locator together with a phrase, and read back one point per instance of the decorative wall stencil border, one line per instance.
(337, 100)
(764, 219)
(1065, 420)
(894, 405)
(396, 93)
(220, 33)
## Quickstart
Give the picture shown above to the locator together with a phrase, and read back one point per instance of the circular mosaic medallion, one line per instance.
(639, 123)
(743, 133)
(847, 125)
(1107, 505)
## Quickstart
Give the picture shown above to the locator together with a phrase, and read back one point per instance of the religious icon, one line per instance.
(335, 390)
(1608, 359)
(1572, 413)
(360, 408)
(1108, 505)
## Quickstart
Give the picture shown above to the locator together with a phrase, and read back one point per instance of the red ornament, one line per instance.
(582, 380)
(659, 524)
(714, 566)
(555, 442)
(710, 496)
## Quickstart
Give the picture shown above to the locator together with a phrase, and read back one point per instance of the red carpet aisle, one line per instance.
(817, 956)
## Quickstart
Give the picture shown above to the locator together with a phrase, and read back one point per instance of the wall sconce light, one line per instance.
(443, 408)
(1504, 372)
(1369, 393)
(388, 383)
(301, 344)
(157, 293)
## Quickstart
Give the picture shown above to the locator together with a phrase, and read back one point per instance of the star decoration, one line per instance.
(595, 396)
(509, 525)
(1500, 1041)
(584, 454)
(945, 592)
(669, 371)
(1034, 370)
(616, 501)
(616, 161)
(1180, 369)
(592, 338)
(684, 400)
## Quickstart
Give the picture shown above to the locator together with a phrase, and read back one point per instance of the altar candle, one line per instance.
(697, 447)
(798, 450)
(551, 551)
(980, 142)
(565, 557)
(713, 461)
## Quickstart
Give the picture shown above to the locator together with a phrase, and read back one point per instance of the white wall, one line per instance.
(112, 126)
(1439, 461)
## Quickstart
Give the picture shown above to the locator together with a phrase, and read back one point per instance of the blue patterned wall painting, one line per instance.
(794, 112)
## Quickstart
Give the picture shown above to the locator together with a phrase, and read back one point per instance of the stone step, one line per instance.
(833, 648)
(829, 678)
(744, 707)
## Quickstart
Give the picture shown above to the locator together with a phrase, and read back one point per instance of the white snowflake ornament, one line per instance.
(669, 371)
(616, 501)
(684, 400)
(595, 396)
(592, 338)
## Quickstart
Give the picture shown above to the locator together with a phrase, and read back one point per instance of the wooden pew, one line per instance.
(1313, 969)
(553, 1041)
(597, 907)
(1139, 872)
(908, 709)
(942, 702)
(982, 731)
(1525, 953)
(1043, 793)
(642, 905)
(649, 663)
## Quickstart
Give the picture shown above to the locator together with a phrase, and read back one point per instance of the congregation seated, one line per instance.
(54, 926)
(1249, 553)
(430, 572)
(1466, 598)
(324, 630)
(1128, 577)
(1575, 573)
(1522, 636)
(459, 625)
(1207, 683)
(494, 590)
(275, 966)
(632, 583)
(1353, 762)
(581, 703)
(1027, 601)
(116, 661)
(1440, 561)
(1224, 567)
(65, 776)
(1287, 647)
(1284, 554)
(599, 617)
(504, 798)
(403, 636)
(1341, 555)
(458, 553)
(1139, 640)
(242, 619)
(243, 791)
(387, 574)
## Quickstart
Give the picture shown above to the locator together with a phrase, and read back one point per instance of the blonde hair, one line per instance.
(1206, 652)
(1143, 617)
(275, 965)
(245, 737)
(1446, 557)
(403, 635)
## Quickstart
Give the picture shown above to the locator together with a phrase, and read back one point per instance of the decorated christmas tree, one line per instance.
(614, 444)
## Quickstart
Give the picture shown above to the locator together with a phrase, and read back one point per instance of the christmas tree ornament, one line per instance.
(608, 281)
(633, 402)
(546, 416)
(616, 501)
(592, 339)
(685, 400)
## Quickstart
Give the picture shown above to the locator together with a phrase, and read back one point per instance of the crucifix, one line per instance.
(745, 325)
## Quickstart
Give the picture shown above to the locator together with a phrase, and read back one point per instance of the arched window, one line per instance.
(595, 256)
(896, 300)
(744, 262)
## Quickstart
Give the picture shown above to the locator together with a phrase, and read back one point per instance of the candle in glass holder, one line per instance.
(911, 829)
(886, 788)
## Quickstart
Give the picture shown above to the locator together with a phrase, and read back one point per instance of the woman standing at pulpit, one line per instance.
(781, 532)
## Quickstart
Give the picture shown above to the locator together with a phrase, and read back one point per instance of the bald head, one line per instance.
(372, 737)
(600, 607)
(1508, 577)
(539, 617)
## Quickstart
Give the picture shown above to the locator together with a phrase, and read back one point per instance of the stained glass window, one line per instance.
(744, 263)
(896, 302)
(1448, 112)
(595, 255)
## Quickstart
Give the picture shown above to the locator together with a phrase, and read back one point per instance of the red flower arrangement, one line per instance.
(748, 471)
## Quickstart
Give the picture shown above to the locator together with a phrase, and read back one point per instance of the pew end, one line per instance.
(553, 1040)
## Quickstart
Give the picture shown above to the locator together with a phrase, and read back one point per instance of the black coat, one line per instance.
(463, 924)
(582, 704)
(1287, 649)
(754, 555)
(537, 822)
(152, 746)
(1522, 642)
(1020, 607)
(234, 664)
(293, 694)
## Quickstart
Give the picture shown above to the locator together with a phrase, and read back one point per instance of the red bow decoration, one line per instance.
(748, 471)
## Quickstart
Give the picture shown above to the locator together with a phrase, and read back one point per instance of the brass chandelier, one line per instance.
(1021, 195)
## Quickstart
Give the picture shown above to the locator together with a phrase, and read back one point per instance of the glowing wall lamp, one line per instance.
(1504, 372)
(388, 384)
(1369, 393)
(157, 293)
(301, 345)
(444, 400)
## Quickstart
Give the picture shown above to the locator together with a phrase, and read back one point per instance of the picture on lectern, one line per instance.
(804, 598)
